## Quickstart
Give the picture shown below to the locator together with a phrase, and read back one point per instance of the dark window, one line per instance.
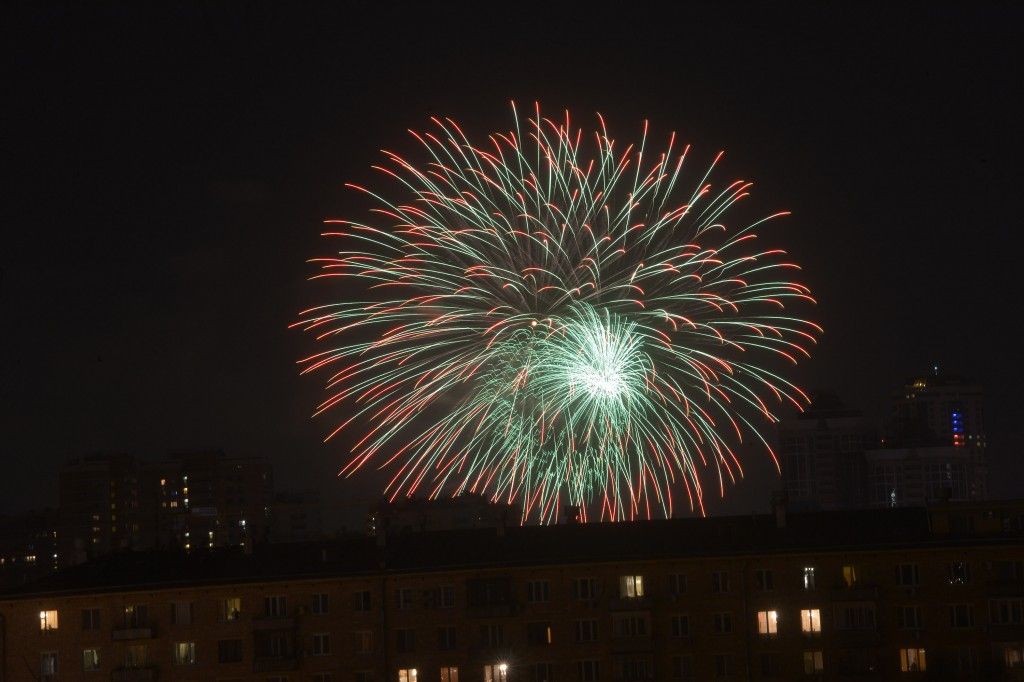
(90, 619)
(487, 592)
(719, 582)
(681, 626)
(361, 601)
(405, 641)
(538, 633)
(446, 638)
(765, 580)
(229, 651)
(320, 603)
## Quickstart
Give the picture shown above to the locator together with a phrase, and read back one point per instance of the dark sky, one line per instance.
(170, 171)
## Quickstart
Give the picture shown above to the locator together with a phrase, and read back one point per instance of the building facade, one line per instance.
(895, 594)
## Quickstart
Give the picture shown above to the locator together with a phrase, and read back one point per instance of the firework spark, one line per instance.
(555, 319)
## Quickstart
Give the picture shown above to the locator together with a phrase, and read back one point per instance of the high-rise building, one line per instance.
(938, 409)
(297, 517)
(821, 452)
(109, 503)
(99, 498)
(934, 448)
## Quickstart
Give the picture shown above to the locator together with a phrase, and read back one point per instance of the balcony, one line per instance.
(630, 604)
(273, 664)
(147, 674)
(273, 623)
(493, 610)
(124, 634)
(1005, 587)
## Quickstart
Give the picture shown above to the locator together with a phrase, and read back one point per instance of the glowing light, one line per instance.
(557, 318)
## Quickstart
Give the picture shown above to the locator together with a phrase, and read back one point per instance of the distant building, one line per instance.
(28, 547)
(934, 448)
(821, 452)
(110, 503)
(297, 517)
(100, 507)
(465, 511)
(883, 594)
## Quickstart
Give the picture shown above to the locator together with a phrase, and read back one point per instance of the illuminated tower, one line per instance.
(939, 409)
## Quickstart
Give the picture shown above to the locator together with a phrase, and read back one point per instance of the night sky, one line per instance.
(169, 173)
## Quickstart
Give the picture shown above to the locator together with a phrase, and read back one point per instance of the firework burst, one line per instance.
(553, 318)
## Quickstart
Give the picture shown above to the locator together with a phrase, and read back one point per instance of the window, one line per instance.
(908, 617)
(323, 677)
(492, 634)
(813, 663)
(404, 598)
(769, 665)
(631, 586)
(586, 630)
(90, 619)
(959, 573)
(90, 660)
(229, 651)
(906, 575)
(496, 672)
(677, 584)
(407, 675)
(1006, 611)
(681, 625)
(584, 588)
(230, 609)
(363, 676)
(135, 656)
(321, 643)
(808, 577)
(48, 664)
(363, 641)
(275, 606)
(631, 625)
(1013, 655)
(767, 623)
(405, 640)
(136, 616)
(446, 597)
(855, 617)
(912, 660)
(320, 604)
(184, 653)
(635, 669)
(849, 575)
(449, 673)
(361, 601)
(810, 621)
(722, 623)
(721, 665)
(961, 616)
(446, 638)
(181, 613)
(48, 620)
(965, 660)
(719, 582)
(539, 672)
(764, 579)
(538, 633)
(587, 671)
(537, 591)
(682, 667)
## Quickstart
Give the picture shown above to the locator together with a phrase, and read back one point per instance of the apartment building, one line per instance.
(900, 594)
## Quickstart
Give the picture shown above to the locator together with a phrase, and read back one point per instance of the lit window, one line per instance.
(813, 662)
(407, 675)
(810, 621)
(631, 586)
(231, 608)
(449, 673)
(912, 660)
(90, 659)
(184, 653)
(768, 622)
(849, 575)
(48, 620)
(497, 672)
(808, 577)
